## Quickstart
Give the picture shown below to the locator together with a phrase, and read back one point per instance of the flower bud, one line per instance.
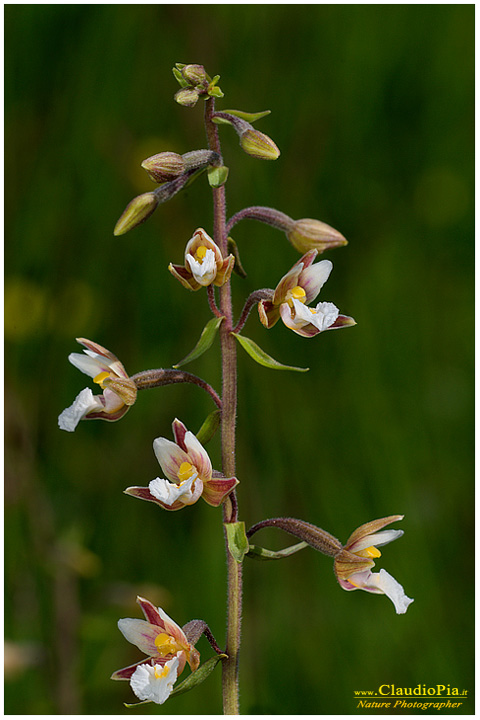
(308, 234)
(194, 74)
(187, 96)
(164, 166)
(258, 145)
(138, 210)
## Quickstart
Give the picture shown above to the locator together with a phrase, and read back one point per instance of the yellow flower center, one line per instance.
(99, 379)
(163, 672)
(370, 552)
(185, 472)
(296, 293)
(200, 253)
(166, 644)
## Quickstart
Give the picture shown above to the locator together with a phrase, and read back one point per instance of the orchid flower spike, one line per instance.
(167, 649)
(119, 391)
(352, 565)
(189, 471)
(204, 263)
(295, 290)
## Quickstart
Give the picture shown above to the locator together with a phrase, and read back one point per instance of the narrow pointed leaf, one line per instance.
(198, 676)
(238, 267)
(204, 343)
(237, 540)
(209, 427)
(261, 357)
(249, 117)
(260, 553)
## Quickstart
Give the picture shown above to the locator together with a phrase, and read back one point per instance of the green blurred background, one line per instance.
(372, 108)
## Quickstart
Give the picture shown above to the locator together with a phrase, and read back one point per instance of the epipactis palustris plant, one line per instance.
(187, 472)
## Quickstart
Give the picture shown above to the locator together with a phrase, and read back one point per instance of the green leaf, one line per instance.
(205, 341)
(261, 357)
(217, 176)
(141, 702)
(215, 91)
(209, 427)
(237, 540)
(214, 80)
(260, 553)
(198, 676)
(249, 117)
(238, 267)
(179, 77)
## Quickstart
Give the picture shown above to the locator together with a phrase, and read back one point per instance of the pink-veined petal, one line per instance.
(313, 278)
(179, 430)
(94, 349)
(151, 612)
(198, 456)
(172, 628)
(288, 282)
(140, 633)
(376, 540)
(170, 457)
(216, 490)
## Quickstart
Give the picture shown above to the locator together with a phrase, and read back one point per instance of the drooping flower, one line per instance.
(295, 290)
(189, 471)
(204, 263)
(353, 564)
(119, 392)
(167, 649)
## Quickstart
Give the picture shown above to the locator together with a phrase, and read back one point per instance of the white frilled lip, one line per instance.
(147, 686)
(84, 403)
(381, 583)
(168, 493)
(204, 272)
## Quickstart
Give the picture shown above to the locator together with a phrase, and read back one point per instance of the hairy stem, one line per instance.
(156, 378)
(229, 409)
(267, 215)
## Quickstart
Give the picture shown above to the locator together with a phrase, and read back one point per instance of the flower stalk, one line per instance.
(229, 401)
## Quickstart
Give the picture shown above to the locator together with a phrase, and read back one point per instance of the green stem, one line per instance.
(229, 410)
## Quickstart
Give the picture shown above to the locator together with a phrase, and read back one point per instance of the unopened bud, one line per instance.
(194, 74)
(309, 234)
(138, 210)
(187, 96)
(164, 166)
(258, 145)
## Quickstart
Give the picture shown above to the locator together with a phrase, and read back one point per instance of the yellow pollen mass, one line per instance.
(185, 471)
(165, 644)
(296, 293)
(100, 378)
(161, 673)
(370, 552)
(200, 253)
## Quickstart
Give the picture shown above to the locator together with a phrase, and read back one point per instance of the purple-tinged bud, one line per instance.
(164, 166)
(194, 74)
(138, 210)
(308, 234)
(187, 96)
(258, 145)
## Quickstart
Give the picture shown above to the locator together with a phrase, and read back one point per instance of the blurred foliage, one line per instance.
(372, 108)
